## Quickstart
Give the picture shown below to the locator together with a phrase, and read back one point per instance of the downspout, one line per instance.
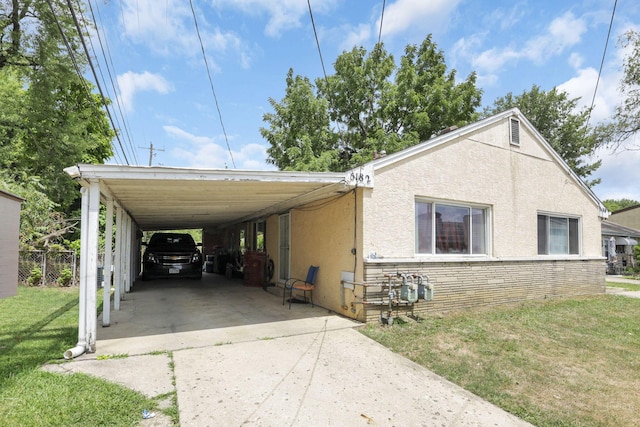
(81, 346)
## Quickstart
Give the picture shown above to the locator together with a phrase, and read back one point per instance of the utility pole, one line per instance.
(151, 151)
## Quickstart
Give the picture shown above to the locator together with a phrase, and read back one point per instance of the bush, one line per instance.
(65, 277)
(35, 277)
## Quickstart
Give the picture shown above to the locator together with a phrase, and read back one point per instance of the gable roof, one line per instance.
(612, 229)
(629, 208)
(423, 147)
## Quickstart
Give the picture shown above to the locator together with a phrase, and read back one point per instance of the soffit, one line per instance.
(160, 198)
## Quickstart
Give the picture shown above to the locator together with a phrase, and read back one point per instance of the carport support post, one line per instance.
(108, 237)
(91, 279)
(118, 260)
(87, 310)
(127, 253)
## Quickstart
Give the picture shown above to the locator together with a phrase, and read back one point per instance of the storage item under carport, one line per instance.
(254, 268)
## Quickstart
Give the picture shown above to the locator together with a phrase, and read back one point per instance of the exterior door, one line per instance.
(284, 242)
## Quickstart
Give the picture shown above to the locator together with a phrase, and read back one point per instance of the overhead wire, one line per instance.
(109, 60)
(77, 67)
(384, 2)
(215, 98)
(604, 53)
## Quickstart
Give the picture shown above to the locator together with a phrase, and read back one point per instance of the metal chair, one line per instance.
(306, 285)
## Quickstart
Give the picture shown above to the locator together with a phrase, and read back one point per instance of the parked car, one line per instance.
(172, 255)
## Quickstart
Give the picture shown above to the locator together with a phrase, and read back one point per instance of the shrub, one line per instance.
(35, 277)
(65, 277)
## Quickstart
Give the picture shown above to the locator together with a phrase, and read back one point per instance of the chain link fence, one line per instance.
(41, 268)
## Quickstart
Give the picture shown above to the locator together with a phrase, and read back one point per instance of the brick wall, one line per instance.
(462, 285)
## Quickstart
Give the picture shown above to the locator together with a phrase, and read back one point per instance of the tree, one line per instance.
(626, 119)
(554, 115)
(49, 117)
(343, 120)
(615, 205)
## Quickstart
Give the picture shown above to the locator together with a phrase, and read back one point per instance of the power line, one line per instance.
(86, 50)
(125, 124)
(206, 63)
(604, 53)
(381, 20)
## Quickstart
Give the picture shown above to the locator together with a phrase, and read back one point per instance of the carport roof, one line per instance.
(162, 198)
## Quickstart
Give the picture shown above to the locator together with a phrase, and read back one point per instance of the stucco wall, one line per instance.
(322, 234)
(516, 182)
(9, 244)
(629, 218)
(466, 285)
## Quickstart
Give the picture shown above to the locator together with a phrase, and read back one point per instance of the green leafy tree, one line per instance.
(369, 105)
(554, 115)
(626, 119)
(615, 205)
(49, 117)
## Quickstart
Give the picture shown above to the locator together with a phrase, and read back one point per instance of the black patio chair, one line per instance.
(306, 285)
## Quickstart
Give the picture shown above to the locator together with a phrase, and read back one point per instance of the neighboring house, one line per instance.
(489, 213)
(617, 246)
(9, 242)
(629, 217)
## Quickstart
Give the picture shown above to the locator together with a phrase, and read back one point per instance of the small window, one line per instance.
(514, 131)
(558, 235)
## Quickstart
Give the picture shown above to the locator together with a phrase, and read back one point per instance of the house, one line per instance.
(481, 215)
(617, 246)
(629, 217)
(9, 242)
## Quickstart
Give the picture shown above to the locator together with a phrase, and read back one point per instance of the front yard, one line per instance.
(554, 363)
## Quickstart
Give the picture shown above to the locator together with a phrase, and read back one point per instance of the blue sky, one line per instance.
(165, 96)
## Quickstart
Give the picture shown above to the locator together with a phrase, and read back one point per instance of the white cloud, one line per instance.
(168, 28)
(417, 15)
(282, 15)
(205, 152)
(620, 175)
(583, 84)
(130, 83)
(356, 36)
(562, 33)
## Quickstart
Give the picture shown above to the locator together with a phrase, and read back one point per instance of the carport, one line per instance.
(162, 198)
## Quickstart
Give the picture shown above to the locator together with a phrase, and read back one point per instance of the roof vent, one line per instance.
(448, 129)
(514, 131)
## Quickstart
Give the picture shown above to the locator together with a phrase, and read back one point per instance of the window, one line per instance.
(558, 235)
(450, 229)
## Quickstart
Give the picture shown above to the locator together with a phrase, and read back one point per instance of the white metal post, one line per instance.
(108, 248)
(127, 254)
(93, 229)
(118, 260)
(82, 304)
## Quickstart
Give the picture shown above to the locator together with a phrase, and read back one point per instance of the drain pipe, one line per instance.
(81, 347)
(76, 351)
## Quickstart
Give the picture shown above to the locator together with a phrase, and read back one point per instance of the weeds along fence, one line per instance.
(42, 268)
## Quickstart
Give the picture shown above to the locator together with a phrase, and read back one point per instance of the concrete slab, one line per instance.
(333, 377)
(240, 357)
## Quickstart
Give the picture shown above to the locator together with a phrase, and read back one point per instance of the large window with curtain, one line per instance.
(558, 235)
(443, 228)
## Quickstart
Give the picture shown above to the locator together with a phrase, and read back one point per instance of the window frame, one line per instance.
(433, 205)
(573, 231)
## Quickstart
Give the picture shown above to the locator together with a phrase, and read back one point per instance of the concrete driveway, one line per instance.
(235, 356)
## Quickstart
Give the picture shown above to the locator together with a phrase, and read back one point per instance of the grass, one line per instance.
(37, 326)
(627, 286)
(556, 363)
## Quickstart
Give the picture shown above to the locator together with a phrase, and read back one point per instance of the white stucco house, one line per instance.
(488, 213)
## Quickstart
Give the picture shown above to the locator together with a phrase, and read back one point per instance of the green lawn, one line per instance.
(555, 363)
(627, 286)
(36, 327)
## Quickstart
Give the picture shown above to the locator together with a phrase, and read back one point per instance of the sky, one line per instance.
(163, 86)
